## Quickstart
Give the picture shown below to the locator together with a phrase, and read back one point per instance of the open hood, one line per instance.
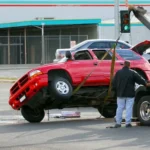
(141, 47)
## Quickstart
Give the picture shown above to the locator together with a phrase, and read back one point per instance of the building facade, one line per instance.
(25, 42)
(20, 10)
(138, 31)
(22, 44)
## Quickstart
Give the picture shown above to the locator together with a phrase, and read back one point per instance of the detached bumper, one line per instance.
(26, 92)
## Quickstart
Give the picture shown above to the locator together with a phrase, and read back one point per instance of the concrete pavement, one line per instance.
(10, 73)
(88, 132)
(83, 134)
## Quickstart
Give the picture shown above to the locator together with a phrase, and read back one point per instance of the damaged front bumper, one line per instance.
(21, 94)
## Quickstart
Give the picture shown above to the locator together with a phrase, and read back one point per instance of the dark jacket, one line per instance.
(124, 82)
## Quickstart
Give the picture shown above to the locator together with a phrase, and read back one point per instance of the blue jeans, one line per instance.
(124, 103)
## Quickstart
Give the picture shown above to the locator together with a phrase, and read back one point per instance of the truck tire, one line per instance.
(61, 88)
(31, 115)
(107, 112)
(143, 110)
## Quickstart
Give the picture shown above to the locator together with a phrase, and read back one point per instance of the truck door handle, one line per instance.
(95, 63)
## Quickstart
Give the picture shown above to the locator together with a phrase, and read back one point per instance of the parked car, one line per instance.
(92, 44)
(106, 43)
(52, 86)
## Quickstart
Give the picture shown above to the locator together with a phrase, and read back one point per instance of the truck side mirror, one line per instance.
(68, 55)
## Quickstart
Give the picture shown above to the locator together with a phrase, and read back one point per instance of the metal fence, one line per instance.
(28, 50)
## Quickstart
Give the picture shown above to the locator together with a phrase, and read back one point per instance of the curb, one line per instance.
(7, 81)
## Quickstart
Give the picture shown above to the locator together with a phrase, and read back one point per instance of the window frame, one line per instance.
(135, 55)
(87, 52)
(110, 54)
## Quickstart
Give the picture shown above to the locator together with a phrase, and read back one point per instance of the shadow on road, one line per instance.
(81, 131)
(20, 127)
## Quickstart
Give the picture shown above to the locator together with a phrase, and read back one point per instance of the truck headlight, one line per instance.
(35, 73)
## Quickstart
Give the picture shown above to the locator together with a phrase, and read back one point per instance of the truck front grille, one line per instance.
(19, 84)
(15, 88)
(23, 80)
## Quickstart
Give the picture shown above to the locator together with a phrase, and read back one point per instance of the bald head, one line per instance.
(127, 64)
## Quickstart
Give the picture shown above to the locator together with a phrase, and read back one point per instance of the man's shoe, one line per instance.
(117, 126)
(128, 125)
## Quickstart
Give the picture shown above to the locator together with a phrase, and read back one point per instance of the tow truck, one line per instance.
(141, 110)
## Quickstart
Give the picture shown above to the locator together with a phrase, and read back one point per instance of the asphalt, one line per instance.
(73, 134)
(88, 132)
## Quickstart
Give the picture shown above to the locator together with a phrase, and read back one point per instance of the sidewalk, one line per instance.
(10, 80)
(11, 116)
(10, 73)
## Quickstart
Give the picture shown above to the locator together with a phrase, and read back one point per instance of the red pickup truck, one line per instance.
(51, 86)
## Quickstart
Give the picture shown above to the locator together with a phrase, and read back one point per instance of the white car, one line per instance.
(106, 43)
(92, 44)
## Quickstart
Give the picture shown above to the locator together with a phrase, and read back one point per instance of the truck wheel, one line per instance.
(61, 88)
(32, 115)
(107, 112)
(143, 110)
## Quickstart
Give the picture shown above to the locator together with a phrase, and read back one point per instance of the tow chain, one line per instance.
(112, 68)
(111, 71)
(111, 74)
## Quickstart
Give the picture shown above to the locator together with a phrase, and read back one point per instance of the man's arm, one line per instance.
(138, 79)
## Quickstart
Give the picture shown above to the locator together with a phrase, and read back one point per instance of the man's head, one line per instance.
(127, 64)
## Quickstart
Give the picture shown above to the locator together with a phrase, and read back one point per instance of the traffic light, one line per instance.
(125, 21)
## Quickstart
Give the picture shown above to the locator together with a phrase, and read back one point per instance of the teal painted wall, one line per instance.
(72, 1)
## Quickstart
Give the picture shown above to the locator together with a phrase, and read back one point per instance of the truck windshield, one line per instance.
(128, 54)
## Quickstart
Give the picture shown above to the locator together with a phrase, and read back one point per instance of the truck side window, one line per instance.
(100, 53)
(82, 55)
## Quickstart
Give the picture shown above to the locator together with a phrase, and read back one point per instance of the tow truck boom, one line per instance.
(142, 98)
(141, 14)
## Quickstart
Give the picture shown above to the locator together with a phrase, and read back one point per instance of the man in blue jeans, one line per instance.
(124, 86)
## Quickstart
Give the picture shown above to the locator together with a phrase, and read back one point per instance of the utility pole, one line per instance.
(43, 44)
(116, 14)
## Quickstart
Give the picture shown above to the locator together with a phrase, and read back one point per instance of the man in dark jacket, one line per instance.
(124, 85)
